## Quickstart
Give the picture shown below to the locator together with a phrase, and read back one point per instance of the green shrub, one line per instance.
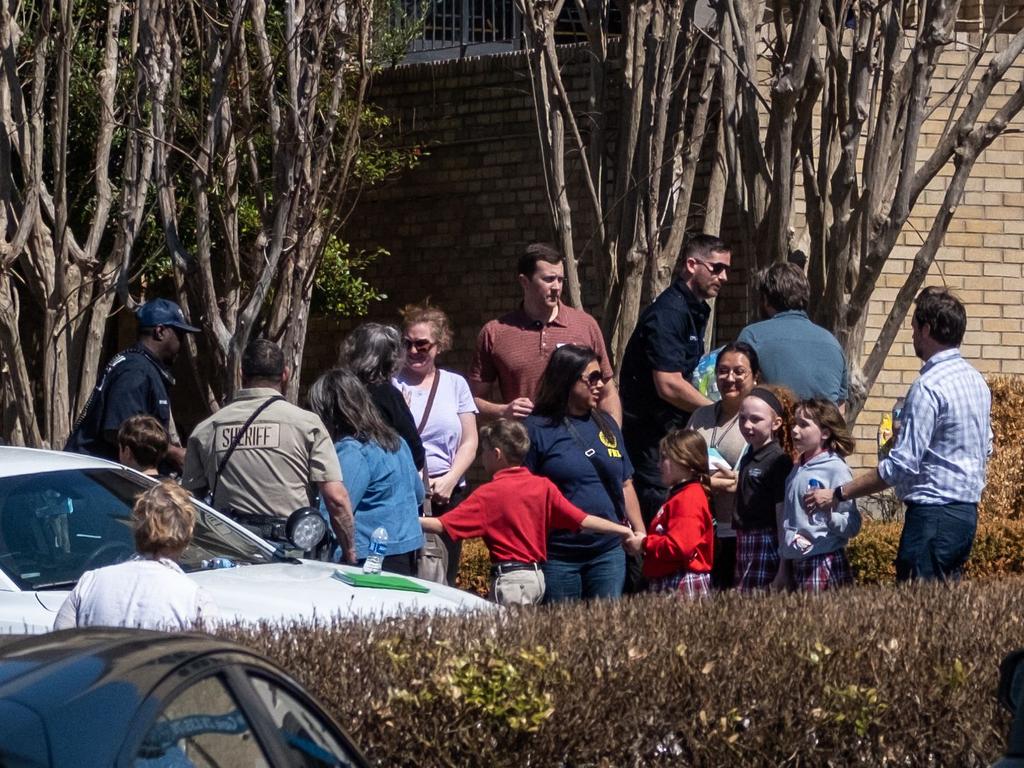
(871, 676)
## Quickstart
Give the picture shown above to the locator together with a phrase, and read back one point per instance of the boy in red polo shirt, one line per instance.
(513, 514)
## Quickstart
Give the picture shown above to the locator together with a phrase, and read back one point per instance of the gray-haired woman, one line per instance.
(374, 352)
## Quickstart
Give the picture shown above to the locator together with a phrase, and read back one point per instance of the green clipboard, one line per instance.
(380, 581)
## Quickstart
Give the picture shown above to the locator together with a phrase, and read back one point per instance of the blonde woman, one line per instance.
(443, 409)
(149, 591)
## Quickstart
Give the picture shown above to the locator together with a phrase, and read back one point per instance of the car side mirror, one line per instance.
(1011, 696)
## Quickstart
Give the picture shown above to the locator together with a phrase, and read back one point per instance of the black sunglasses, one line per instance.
(714, 267)
(420, 345)
(593, 379)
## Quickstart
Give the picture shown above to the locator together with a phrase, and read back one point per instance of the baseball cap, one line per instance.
(163, 312)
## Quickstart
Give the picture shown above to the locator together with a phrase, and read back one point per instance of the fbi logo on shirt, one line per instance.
(611, 444)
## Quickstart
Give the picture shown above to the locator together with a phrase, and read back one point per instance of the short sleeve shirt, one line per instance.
(761, 486)
(139, 593)
(669, 337)
(134, 382)
(514, 349)
(799, 354)
(284, 452)
(514, 514)
(557, 455)
(442, 433)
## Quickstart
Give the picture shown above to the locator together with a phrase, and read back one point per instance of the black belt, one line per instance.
(264, 526)
(500, 568)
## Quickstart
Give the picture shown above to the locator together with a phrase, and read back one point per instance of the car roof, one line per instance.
(143, 657)
(88, 684)
(29, 461)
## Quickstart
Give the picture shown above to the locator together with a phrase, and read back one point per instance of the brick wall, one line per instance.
(981, 259)
(455, 224)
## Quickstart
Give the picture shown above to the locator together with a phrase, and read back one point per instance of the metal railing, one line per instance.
(464, 27)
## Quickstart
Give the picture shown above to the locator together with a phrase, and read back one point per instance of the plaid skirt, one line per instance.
(684, 584)
(757, 558)
(820, 572)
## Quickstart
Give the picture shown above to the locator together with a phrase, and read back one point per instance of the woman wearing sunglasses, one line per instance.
(442, 408)
(580, 449)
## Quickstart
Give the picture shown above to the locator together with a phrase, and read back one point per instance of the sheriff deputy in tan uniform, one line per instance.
(283, 453)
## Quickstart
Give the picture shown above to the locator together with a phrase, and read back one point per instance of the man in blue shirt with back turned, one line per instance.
(793, 351)
(937, 465)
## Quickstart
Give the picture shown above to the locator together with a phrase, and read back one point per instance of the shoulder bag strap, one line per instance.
(237, 438)
(614, 491)
(426, 508)
(430, 401)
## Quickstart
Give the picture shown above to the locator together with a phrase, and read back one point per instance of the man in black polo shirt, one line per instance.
(660, 357)
(135, 381)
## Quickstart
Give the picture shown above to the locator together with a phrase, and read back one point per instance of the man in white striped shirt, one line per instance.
(937, 465)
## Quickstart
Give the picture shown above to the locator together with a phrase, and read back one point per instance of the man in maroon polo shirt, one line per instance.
(512, 351)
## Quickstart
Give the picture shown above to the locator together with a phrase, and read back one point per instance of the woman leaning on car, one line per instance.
(149, 591)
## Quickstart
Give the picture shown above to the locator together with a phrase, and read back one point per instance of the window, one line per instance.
(311, 742)
(202, 727)
(55, 525)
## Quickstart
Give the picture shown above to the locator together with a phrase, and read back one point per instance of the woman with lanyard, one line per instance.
(442, 407)
(736, 373)
(580, 449)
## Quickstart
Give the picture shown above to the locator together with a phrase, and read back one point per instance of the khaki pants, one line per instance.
(518, 588)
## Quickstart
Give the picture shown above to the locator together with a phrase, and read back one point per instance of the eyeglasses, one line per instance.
(420, 345)
(714, 267)
(593, 379)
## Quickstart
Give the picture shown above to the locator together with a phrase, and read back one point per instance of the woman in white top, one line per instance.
(736, 373)
(449, 433)
(149, 591)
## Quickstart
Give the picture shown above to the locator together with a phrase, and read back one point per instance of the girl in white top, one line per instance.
(150, 591)
(449, 435)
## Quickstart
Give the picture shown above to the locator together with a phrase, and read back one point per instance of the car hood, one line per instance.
(307, 590)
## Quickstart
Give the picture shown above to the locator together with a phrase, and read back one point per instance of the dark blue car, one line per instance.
(119, 697)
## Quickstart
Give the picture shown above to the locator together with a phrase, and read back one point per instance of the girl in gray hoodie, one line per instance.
(813, 545)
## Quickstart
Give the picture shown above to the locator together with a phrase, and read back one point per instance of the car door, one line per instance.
(201, 724)
(310, 737)
(227, 711)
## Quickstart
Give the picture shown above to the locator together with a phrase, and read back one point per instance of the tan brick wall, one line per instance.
(981, 259)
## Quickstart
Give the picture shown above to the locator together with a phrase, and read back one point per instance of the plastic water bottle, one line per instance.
(814, 484)
(217, 562)
(378, 548)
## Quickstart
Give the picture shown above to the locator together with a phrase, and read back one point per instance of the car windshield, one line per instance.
(56, 525)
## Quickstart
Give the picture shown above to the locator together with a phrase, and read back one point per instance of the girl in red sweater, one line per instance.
(680, 540)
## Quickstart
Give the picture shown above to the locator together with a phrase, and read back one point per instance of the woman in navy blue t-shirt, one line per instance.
(580, 449)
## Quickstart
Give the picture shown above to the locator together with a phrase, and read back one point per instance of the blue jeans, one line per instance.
(601, 576)
(936, 541)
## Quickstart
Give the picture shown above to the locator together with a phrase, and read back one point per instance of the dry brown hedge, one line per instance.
(1004, 488)
(869, 676)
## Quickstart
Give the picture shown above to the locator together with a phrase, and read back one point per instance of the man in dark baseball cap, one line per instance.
(163, 312)
(135, 381)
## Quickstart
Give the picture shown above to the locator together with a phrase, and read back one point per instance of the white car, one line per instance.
(62, 514)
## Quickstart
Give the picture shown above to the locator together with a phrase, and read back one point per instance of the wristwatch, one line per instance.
(837, 494)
